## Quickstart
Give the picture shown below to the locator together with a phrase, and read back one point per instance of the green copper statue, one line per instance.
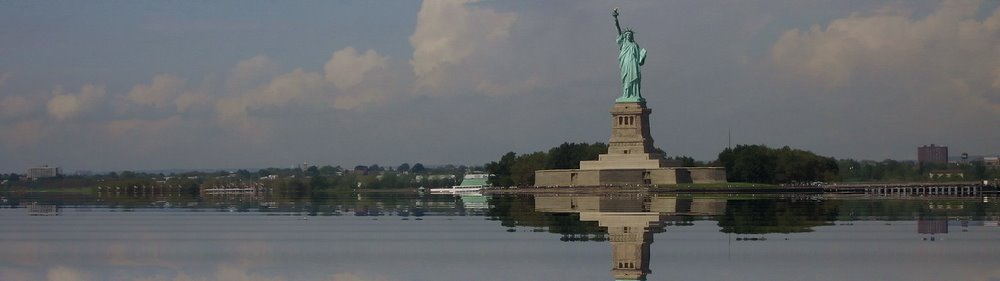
(630, 57)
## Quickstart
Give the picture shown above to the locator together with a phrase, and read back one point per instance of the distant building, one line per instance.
(43, 172)
(932, 154)
(992, 161)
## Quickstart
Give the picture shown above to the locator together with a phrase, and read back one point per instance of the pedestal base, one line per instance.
(624, 161)
(622, 177)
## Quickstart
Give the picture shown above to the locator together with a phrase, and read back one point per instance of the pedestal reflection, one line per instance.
(630, 222)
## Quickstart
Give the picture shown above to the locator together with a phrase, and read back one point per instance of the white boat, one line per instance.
(470, 183)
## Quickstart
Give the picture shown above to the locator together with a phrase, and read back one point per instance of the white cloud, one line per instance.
(64, 106)
(13, 106)
(354, 277)
(250, 73)
(350, 79)
(160, 93)
(449, 33)
(167, 92)
(347, 68)
(62, 273)
(298, 87)
(179, 277)
(362, 79)
(152, 127)
(231, 273)
(996, 82)
(948, 56)
(190, 99)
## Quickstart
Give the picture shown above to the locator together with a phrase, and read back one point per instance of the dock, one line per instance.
(960, 189)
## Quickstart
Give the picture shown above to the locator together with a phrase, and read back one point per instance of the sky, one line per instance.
(145, 85)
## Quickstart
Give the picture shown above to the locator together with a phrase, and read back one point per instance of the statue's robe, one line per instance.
(630, 57)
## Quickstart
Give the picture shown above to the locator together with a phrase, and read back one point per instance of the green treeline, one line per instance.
(314, 179)
(291, 181)
(762, 164)
(746, 163)
(519, 170)
(892, 170)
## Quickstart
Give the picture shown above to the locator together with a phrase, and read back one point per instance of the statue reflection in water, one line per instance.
(630, 222)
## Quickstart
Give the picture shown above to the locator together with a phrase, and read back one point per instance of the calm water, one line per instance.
(391, 236)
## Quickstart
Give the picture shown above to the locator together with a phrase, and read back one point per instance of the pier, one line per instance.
(142, 191)
(913, 189)
(229, 190)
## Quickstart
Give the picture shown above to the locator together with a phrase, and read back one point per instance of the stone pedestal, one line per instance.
(630, 146)
(630, 160)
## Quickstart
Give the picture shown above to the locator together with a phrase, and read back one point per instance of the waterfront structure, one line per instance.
(951, 174)
(43, 171)
(932, 154)
(472, 182)
(631, 157)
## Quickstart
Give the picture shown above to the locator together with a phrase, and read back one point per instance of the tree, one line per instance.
(243, 174)
(405, 167)
(418, 168)
(328, 170)
(685, 161)
(569, 155)
(522, 172)
(761, 164)
(501, 170)
(312, 171)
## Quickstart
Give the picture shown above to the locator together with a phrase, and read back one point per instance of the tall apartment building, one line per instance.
(932, 154)
(43, 172)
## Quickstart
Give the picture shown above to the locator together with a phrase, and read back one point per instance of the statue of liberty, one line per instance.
(630, 57)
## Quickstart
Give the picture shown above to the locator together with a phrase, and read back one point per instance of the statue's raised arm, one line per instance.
(614, 13)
